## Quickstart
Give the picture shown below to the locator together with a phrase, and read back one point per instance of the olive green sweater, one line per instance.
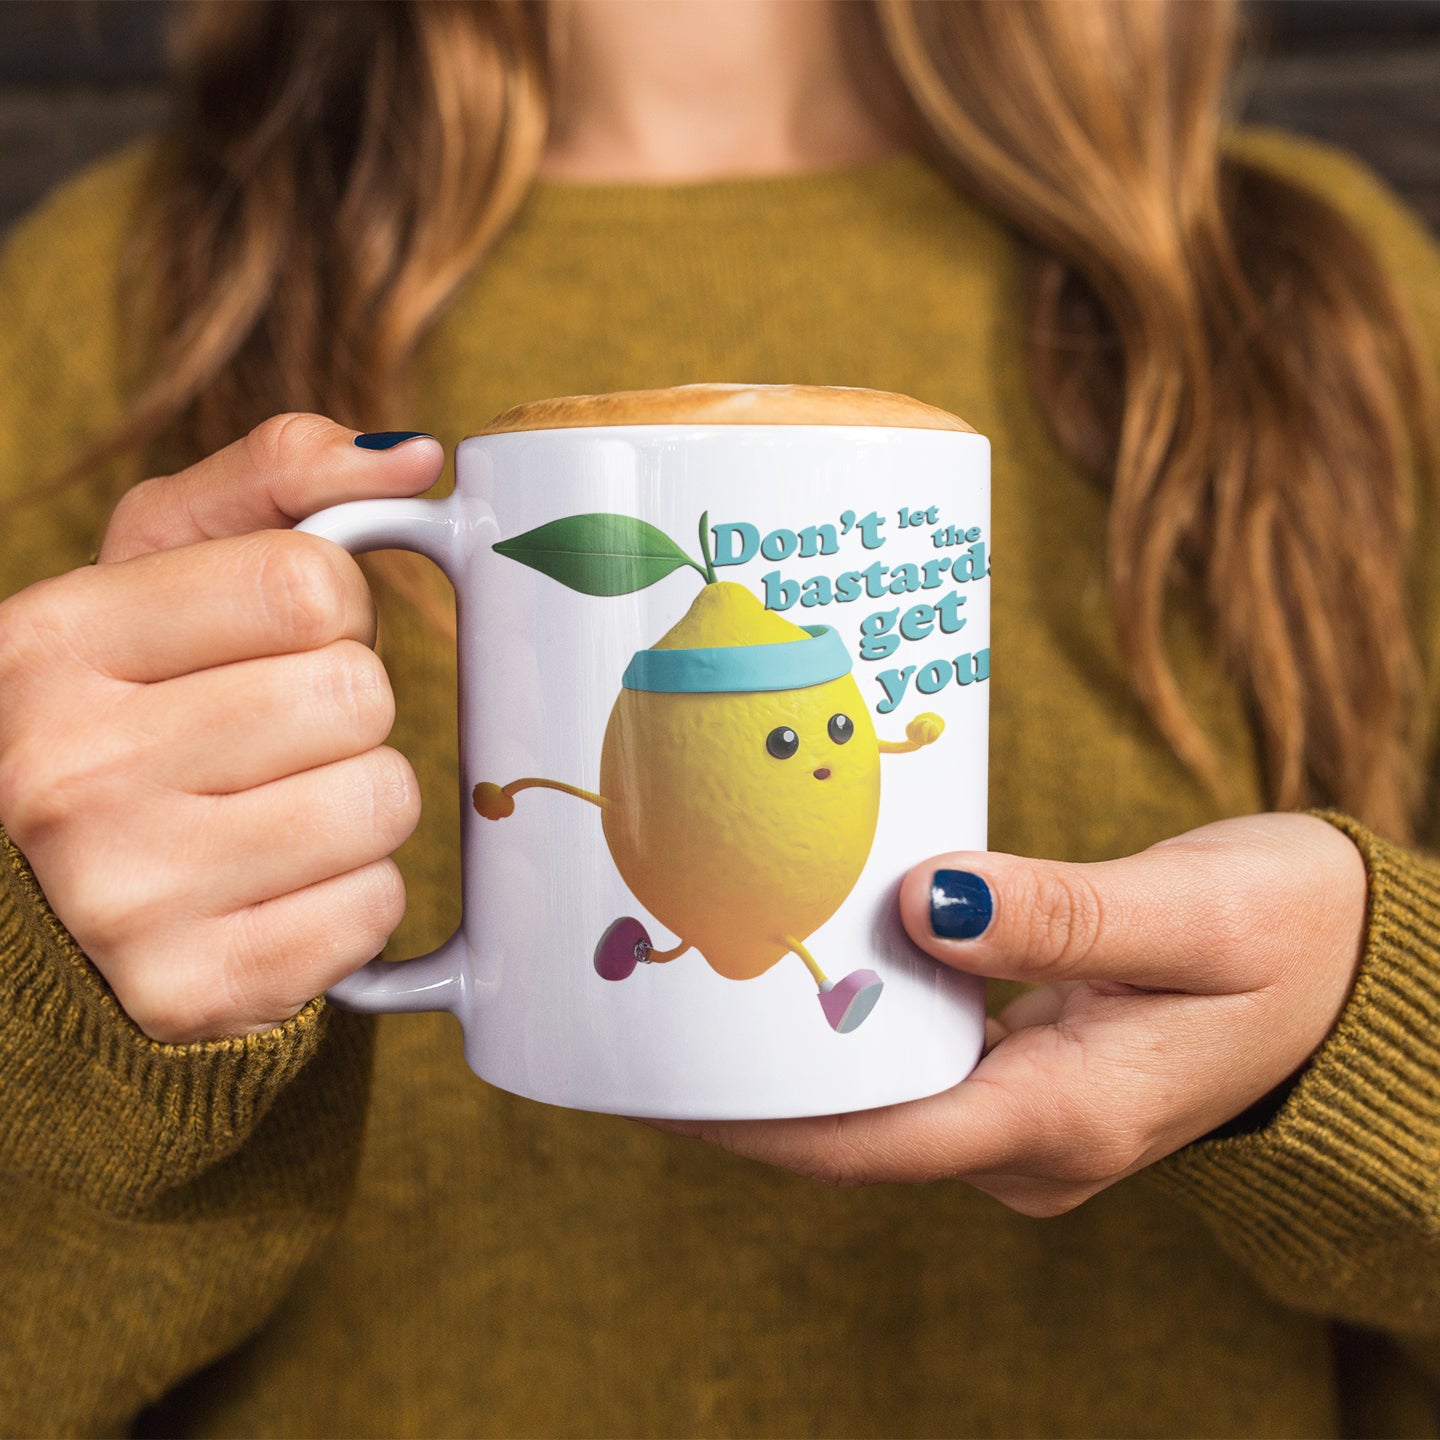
(336, 1229)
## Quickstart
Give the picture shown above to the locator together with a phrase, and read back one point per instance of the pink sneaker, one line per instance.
(622, 947)
(847, 1002)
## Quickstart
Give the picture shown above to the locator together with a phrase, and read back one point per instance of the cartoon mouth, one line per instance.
(822, 773)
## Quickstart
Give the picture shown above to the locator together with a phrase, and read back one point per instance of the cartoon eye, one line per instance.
(782, 742)
(841, 728)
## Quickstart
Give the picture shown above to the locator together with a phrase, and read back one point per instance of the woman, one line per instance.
(1208, 376)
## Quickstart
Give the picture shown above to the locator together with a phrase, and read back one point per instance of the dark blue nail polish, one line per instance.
(960, 904)
(389, 439)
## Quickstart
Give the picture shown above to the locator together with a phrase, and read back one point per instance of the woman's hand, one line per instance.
(1175, 988)
(191, 733)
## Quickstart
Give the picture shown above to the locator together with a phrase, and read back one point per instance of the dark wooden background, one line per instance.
(79, 77)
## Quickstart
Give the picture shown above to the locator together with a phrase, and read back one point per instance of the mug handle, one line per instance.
(431, 528)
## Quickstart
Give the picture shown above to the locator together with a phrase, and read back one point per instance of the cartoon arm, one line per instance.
(923, 730)
(495, 802)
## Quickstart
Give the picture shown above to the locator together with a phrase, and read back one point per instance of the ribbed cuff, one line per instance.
(91, 1105)
(1347, 1169)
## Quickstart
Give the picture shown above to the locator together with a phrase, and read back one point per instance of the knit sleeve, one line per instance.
(1334, 1204)
(158, 1200)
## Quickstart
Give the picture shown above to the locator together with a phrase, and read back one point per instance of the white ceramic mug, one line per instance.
(723, 665)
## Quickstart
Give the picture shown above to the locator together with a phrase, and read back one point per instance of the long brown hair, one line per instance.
(1215, 344)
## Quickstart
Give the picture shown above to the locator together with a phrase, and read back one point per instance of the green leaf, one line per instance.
(598, 554)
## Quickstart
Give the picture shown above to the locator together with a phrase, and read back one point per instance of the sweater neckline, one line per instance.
(793, 195)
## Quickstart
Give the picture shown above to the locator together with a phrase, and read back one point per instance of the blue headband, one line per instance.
(791, 665)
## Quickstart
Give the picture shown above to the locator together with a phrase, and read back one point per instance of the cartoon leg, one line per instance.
(626, 944)
(846, 1002)
(495, 802)
(923, 730)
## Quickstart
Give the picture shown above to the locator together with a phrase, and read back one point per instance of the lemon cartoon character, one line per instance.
(740, 772)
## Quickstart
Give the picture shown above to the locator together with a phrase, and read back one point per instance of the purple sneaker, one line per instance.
(622, 947)
(846, 1002)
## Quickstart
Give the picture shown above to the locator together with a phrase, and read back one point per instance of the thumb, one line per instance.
(1195, 914)
(283, 470)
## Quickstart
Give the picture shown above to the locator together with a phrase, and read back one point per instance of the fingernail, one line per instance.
(389, 439)
(960, 904)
